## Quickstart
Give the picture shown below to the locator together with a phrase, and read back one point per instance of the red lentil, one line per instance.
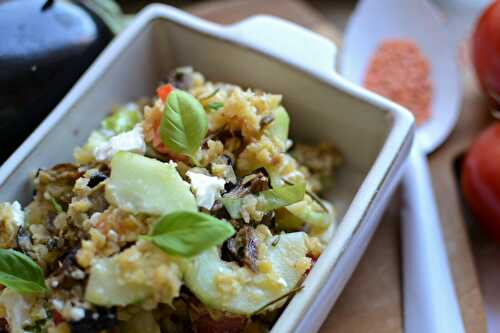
(400, 72)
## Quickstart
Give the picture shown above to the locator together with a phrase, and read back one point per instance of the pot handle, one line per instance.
(284, 39)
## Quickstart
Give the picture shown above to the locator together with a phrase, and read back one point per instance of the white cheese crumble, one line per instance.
(78, 274)
(12, 213)
(17, 213)
(58, 304)
(77, 313)
(206, 188)
(131, 141)
(94, 219)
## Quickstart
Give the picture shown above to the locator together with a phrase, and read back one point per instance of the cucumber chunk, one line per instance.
(228, 287)
(106, 288)
(278, 128)
(144, 185)
(141, 273)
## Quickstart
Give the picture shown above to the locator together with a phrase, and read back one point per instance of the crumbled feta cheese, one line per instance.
(17, 213)
(78, 274)
(132, 141)
(94, 219)
(77, 313)
(206, 188)
(11, 219)
(58, 304)
(112, 235)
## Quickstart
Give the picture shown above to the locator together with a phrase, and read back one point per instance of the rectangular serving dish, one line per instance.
(373, 134)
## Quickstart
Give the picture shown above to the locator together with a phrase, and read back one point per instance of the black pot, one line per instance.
(45, 46)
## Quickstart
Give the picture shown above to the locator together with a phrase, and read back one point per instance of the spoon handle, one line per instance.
(430, 302)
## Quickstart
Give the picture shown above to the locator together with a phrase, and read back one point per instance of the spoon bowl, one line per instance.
(419, 21)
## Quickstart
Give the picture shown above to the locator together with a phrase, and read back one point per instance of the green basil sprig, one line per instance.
(281, 196)
(21, 274)
(186, 234)
(184, 124)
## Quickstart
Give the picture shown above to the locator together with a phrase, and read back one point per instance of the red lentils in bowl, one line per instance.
(399, 71)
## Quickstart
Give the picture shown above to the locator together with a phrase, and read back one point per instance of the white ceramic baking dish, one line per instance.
(373, 134)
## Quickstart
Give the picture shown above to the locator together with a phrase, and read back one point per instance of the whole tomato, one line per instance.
(481, 180)
(486, 50)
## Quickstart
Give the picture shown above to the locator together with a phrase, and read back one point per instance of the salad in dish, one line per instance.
(191, 211)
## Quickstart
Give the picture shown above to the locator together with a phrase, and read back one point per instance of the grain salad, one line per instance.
(191, 211)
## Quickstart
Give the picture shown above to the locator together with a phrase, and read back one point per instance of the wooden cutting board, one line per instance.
(372, 299)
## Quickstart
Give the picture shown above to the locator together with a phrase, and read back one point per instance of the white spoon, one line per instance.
(430, 302)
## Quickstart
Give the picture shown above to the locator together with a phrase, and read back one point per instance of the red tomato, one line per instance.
(486, 50)
(164, 90)
(481, 180)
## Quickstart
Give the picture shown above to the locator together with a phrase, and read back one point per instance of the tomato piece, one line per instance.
(486, 50)
(164, 90)
(57, 317)
(480, 180)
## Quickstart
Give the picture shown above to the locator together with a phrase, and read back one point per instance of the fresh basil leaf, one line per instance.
(233, 206)
(215, 105)
(184, 123)
(21, 274)
(123, 119)
(186, 234)
(281, 196)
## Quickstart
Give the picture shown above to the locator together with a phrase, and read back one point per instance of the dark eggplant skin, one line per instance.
(45, 46)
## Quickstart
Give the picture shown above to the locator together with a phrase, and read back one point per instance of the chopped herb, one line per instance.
(286, 295)
(212, 94)
(276, 241)
(215, 106)
(56, 205)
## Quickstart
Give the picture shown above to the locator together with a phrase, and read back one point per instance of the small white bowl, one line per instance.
(373, 134)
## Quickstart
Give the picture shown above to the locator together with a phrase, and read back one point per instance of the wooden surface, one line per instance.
(372, 299)
(446, 186)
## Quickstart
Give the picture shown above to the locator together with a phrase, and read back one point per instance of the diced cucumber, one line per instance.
(123, 119)
(228, 287)
(144, 185)
(311, 213)
(85, 154)
(287, 221)
(141, 273)
(279, 127)
(105, 286)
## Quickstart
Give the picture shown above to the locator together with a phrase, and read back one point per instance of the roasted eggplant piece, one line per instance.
(46, 46)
